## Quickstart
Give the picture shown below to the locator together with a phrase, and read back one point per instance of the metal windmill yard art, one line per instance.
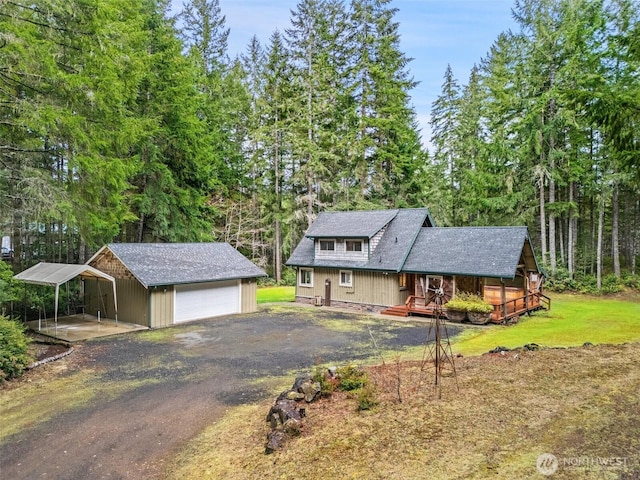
(438, 352)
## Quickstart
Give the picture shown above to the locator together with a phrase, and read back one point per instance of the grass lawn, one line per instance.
(276, 294)
(572, 320)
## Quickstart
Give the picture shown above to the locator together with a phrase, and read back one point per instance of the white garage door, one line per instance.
(203, 300)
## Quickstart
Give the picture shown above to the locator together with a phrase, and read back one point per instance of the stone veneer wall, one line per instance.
(356, 307)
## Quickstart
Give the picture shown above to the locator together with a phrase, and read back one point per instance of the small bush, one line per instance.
(467, 302)
(367, 398)
(351, 378)
(631, 281)
(327, 385)
(14, 345)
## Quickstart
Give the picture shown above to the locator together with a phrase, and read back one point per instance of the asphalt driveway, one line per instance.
(165, 386)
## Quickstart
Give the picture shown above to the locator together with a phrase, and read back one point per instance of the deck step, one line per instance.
(398, 311)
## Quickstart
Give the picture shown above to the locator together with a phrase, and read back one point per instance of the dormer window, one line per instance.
(354, 245)
(327, 245)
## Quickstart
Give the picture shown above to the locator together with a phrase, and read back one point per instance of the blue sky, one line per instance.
(433, 33)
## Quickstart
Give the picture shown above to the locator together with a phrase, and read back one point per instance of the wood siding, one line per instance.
(371, 288)
(108, 263)
(161, 306)
(132, 300)
(248, 295)
(375, 240)
(340, 252)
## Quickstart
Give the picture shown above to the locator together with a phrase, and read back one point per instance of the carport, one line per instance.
(56, 274)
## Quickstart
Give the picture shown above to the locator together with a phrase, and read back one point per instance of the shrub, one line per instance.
(612, 284)
(467, 302)
(320, 375)
(631, 281)
(367, 398)
(14, 345)
(351, 378)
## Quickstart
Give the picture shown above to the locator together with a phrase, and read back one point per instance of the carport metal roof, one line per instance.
(56, 274)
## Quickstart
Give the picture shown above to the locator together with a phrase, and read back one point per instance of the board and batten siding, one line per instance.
(372, 288)
(132, 300)
(248, 295)
(161, 306)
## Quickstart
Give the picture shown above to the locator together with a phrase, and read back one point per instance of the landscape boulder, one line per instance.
(285, 416)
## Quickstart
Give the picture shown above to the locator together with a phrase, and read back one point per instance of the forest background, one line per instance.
(118, 126)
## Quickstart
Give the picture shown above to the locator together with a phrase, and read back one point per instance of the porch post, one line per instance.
(504, 298)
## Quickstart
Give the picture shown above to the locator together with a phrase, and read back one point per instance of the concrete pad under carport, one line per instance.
(78, 327)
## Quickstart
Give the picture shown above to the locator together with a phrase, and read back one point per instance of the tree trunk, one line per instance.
(278, 227)
(561, 240)
(543, 220)
(571, 235)
(552, 220)
(599, 242)
(615, 241)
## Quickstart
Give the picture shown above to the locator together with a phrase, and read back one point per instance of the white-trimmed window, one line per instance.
(305, 277)
(327, 245)
(354, 245)
(346, 278)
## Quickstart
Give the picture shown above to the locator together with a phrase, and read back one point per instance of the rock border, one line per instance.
(50, 359)
(286, 415)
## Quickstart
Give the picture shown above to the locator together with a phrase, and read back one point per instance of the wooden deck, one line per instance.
(501, 312)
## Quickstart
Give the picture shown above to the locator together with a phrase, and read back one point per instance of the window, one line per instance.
(346, 278)
(306, 277)
(402, 281)
(354, 245)
(327, 245)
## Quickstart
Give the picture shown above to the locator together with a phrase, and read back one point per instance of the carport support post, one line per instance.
(55, 313)
(115, 300)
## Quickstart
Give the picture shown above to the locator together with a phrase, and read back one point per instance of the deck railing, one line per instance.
(501, 312)
(516, 306)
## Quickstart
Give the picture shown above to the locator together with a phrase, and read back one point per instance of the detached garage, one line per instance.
(161, 284)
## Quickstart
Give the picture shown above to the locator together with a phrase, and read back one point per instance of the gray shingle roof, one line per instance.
(178, 263)
(403, 225)
(474, 251)
(352, 224)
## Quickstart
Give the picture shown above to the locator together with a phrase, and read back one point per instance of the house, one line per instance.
(161, 284)
(395, 260)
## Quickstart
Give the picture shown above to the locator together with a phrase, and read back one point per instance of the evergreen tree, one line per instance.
(445, 114)
(386, 149)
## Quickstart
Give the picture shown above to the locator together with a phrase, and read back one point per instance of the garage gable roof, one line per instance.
(55, 274)
(474, 251)
(156, 264)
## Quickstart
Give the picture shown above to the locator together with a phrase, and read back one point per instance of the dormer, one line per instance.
(367, 240)
(351, 236)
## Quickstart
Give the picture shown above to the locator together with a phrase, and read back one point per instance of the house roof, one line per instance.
(402, 227)
(55, 274)
(179, 263)
(473, 251)
(352, 224)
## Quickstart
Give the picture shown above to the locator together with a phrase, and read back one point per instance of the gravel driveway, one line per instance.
(177, 381)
